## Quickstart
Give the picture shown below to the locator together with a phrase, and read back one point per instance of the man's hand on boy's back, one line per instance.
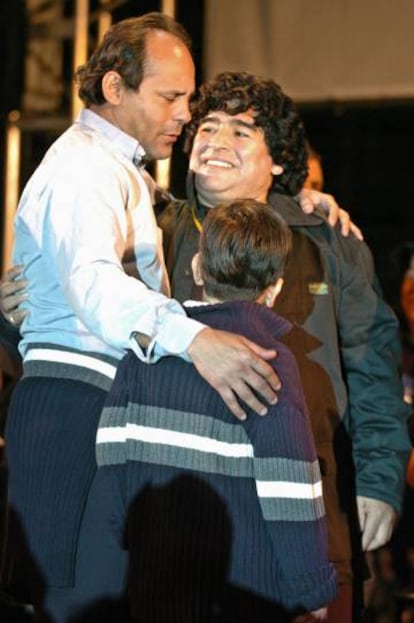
(237, 369)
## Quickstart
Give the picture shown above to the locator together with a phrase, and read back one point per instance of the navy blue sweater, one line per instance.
(244, 499)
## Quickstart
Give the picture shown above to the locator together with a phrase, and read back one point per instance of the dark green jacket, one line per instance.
(345, 338)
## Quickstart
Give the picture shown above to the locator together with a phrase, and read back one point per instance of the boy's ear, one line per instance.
(269, 296)
(195, 267)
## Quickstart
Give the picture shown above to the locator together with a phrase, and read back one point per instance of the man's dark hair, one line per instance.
(244, 245)
(275, 113)
(123, 49)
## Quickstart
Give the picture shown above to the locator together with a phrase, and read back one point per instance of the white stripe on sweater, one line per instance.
(280, 489)
(148, 434)
(75, 359)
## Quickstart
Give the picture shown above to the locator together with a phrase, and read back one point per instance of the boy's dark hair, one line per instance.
(123, 49)
(244, 245)
(275, 113)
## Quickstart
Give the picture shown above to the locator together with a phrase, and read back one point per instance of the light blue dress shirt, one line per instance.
(86, 234)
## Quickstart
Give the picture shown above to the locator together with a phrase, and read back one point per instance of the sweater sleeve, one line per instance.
(370, 347)
(289, 490)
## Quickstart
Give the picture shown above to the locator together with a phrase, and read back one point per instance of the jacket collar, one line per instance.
(290, 210)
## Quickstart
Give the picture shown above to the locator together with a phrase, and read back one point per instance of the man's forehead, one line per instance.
(221, 116)
(167, 56)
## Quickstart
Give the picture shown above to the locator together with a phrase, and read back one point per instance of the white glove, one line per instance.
(309, 617)
(377, 520)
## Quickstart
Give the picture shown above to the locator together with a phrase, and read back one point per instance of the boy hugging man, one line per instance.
(223, 520)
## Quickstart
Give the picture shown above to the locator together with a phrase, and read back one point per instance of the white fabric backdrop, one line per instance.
(317, 50)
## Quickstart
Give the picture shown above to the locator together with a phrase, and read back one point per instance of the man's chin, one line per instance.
(163, 155)
(159, 152)
(212, 186)
(213, 196)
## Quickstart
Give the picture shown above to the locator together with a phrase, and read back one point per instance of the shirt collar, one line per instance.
(128, 145)
(191, 303)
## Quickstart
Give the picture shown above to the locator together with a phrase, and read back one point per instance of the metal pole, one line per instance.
(163, 167)
(11, 189)
(80, 52)
(168, 7)
(104, 19)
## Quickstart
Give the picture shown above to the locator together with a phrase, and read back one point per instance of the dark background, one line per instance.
(366, 147)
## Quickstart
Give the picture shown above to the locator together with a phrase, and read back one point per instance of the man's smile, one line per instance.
(212, 162)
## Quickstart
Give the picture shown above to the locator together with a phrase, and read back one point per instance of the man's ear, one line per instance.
(195, 267)
(271, 293)
(112, 86)
(277, 169)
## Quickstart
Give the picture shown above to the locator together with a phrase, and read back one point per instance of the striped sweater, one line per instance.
(256, 484)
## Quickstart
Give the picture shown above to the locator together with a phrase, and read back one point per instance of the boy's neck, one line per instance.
(210, 299)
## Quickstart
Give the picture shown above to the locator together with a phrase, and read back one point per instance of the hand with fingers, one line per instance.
(377, 520)
(12, 293)
(237, 368)
(310, 199)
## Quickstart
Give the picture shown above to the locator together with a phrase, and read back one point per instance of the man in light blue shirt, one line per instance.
(87, 237)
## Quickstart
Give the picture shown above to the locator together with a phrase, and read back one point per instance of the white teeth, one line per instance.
(219, 163)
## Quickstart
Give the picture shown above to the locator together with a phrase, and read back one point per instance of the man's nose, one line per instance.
(220, 138)
(182, 112)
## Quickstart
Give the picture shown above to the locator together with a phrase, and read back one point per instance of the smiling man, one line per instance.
(246, 140)
(247, 165)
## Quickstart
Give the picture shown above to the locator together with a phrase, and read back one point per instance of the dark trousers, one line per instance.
(54, 546)
(101, 567)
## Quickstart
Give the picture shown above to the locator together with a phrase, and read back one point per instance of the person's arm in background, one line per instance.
(377, 414)
(310, 199)
(11, 292)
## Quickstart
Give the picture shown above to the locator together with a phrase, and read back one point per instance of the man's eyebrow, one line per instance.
(234, 122)
(175, 92)
(210, 119)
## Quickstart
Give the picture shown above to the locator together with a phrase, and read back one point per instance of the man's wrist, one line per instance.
(142, 340)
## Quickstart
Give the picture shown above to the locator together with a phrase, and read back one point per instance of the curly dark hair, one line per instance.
(123, 50)
(275, 113)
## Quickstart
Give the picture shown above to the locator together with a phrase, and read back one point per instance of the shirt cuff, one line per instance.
(174, 338)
